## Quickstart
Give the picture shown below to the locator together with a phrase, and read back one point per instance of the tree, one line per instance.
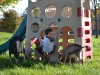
(11, 21)
(94, 14)
(6, 3)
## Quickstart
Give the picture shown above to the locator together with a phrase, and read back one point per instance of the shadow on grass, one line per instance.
(5, 63)
(29, 63)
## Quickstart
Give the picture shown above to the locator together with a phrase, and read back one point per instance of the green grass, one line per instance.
(35, 67)
(5, 37)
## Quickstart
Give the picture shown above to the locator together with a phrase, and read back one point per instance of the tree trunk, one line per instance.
(96, 26)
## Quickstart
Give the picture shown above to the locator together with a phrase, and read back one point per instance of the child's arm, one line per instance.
(51, 39)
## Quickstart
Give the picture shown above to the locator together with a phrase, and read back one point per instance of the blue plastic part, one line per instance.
(59, 20)
(41, 20)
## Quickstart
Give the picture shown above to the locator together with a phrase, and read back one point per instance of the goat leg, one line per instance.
(65, 58)
(24, 54)
(10, 57)
(16, 57)
(80, 60)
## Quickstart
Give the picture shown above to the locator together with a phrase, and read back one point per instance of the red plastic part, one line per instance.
(79, 12)
(80, 32)
(87, 31)
(87, 24)
(87, 13)
(36, 41)
(87, 40)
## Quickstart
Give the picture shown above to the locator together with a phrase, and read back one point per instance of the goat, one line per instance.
(72, 51)
(16, 47)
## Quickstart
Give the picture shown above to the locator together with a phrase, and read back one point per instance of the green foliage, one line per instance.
(97, 9)
(7, 3)
(11, 21)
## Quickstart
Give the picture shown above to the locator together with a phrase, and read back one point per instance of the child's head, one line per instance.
(48, 32)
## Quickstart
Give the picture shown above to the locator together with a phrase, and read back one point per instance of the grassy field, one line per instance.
(5, 37)
(35, 67)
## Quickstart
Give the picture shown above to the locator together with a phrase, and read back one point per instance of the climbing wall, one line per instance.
(68, 15)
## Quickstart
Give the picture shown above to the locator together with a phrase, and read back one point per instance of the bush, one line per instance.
(10, 21)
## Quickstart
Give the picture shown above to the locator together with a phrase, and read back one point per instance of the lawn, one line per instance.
(5, 37)
(35, 67)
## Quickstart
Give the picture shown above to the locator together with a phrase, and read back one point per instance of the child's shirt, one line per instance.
(47, 45)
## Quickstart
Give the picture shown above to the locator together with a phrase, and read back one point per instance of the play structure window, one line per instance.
(61, 32)
(70, 33)
(87, 23)
(60, 40)
(66, 12)
(35, 27)
(71, 40)
(34, 42)
(87, 31)
(60, 47)
(36, 12)
(33, 0)
(50, 11)
(87, 40)
(53, 24)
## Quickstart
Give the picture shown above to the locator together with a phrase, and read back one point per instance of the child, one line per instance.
(48, 43)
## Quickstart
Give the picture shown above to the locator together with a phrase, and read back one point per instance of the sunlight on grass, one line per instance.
(5, 37)
(36, 67)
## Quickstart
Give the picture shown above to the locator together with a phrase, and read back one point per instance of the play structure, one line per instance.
(70, 19)
(64, 17)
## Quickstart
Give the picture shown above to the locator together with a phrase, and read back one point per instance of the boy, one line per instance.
(48, 43)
